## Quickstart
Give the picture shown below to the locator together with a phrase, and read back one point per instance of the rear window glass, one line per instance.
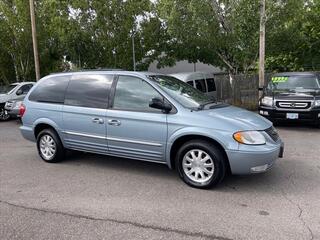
(211, 85)
(89, 90)
(201, 85)
(51, 90)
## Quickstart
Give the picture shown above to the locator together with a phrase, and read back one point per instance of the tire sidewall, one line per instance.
(216, 157)
(59, 148)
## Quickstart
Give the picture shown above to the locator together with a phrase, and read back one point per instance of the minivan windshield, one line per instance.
(294, 83)
(182, 92)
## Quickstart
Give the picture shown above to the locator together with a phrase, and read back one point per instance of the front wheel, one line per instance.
(200, 164)
(49, 146)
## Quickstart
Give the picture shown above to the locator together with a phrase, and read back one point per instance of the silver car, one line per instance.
(13, 107)
(203, 81)
(148, 117)
(10, 93)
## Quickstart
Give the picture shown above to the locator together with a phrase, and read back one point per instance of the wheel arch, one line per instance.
(178, 142)
(43, 124)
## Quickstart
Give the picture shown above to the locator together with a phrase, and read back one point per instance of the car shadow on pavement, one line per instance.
(277, 178)
(119, 164)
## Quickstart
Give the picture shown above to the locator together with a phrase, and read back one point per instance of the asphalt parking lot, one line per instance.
(97, 197)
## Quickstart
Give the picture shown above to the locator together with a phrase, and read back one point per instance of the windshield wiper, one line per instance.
(202, 105)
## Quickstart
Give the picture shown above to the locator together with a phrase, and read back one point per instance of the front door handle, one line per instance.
(114, 122)
(97, 120)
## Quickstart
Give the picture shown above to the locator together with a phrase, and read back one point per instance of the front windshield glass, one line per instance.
(294, 83)
(182, 92)
(7, 89)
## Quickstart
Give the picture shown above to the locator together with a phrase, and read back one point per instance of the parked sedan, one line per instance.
(10, 92)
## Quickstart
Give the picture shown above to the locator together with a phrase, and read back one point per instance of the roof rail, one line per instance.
(90, 70)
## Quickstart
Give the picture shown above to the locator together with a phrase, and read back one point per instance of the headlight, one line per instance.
(317, 103)
(249, 137)
(267, 101)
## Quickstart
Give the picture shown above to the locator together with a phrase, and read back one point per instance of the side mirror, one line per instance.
(19, 92)
(158, 103)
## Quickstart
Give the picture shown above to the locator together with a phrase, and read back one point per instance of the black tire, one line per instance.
(216, 155)
(4, 116)
(59, 153)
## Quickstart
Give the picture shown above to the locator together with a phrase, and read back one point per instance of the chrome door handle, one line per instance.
(97, 120)
(114, 122)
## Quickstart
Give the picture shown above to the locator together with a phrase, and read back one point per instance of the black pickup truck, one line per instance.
(292, 97)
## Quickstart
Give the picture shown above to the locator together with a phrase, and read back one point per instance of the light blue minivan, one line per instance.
(149, 117)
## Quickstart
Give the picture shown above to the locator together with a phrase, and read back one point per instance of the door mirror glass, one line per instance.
(158, 103)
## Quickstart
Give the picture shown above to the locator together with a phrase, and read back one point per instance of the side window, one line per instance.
(201, 85)
(211, 85)
(190, 83)
(24, 89)
(134, 94)
(89, 90)
(50, 90)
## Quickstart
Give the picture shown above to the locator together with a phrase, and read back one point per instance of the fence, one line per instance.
(240, 90)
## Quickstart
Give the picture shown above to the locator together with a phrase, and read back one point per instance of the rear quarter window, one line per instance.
(50, 90)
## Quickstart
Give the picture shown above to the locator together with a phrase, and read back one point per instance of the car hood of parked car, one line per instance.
(305, 94)
(235, 119)
(4, 98)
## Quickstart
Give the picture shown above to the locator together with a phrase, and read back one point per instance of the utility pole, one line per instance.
(262, 44)
(133, 52)
(34, 40)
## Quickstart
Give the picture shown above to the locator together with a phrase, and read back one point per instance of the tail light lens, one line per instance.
(22, 110)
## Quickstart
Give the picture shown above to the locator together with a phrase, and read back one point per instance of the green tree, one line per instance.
(223, 33)
(16, 45)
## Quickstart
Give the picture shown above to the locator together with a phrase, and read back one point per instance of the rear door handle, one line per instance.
(114, 122)
(97, 120)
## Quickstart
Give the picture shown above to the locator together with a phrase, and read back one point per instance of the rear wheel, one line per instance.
(200, 164)
(49, 146)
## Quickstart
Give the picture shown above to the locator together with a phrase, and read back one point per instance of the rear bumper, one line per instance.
(27, 133)
(311, 116)
(250, 162)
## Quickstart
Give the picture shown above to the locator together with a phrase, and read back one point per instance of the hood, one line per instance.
(4, 98)
(307, 94)
(235, 119)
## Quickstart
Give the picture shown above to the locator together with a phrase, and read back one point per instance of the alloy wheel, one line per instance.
(198, 166)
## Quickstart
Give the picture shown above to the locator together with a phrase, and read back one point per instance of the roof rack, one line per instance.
(91, 70)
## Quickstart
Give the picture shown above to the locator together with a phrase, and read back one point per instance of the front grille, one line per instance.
(272, 133)
(293, 105)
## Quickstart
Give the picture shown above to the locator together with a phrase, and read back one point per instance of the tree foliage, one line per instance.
(99, 34)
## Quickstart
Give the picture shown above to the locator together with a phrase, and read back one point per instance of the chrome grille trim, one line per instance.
(293, 104)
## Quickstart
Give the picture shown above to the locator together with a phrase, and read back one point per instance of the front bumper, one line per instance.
(260, 159)
(308, 116)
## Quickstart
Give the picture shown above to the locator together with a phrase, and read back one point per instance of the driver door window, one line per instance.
(134, 94)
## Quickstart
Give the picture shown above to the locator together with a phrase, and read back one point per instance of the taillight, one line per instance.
(22, 110)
